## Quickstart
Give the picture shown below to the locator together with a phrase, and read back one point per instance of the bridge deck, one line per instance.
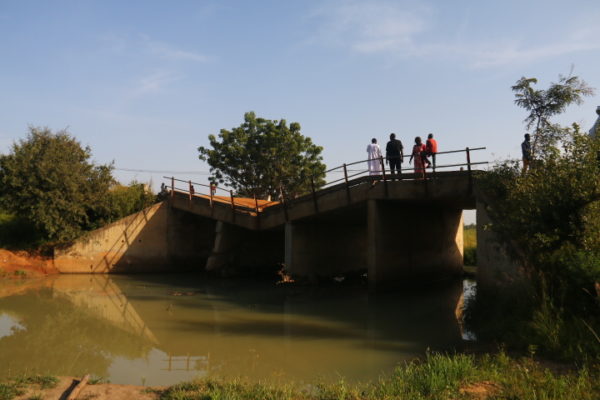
(453, 189)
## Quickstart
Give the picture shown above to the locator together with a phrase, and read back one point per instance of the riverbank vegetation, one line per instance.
(470, 245)
(549, 218)
(51, 193)
(437, 376)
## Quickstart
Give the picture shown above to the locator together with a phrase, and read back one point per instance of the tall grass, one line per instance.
(437, 377)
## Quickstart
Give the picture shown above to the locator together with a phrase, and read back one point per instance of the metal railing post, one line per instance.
(172, 186)
(383, 175)
(256, 205)
(469, 169)
(314, 193)
(285, 212)
(257, 209)
(232, 202)
(346, 180)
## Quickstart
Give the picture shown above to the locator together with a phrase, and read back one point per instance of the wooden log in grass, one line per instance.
(77, 389)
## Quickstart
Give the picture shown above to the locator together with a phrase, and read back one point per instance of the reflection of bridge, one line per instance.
(392, 226)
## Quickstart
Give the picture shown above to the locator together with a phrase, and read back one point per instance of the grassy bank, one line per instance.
(438, 377)
(470, 245)
(18, 386)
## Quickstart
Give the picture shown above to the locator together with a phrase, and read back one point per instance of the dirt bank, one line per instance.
(20, 264)
(100, 391)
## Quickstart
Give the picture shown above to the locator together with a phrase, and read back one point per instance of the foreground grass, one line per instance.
(15, 387)
(438, 377)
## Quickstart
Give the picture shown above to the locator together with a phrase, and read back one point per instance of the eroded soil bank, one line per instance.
(20, 264)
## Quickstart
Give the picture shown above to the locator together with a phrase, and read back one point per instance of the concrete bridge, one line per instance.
(394, 228)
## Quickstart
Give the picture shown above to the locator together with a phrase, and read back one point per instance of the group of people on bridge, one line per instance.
(423, 155)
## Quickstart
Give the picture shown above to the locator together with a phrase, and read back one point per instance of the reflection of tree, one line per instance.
(60, 338)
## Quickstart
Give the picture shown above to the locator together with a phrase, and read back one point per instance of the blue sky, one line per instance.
(144, 83)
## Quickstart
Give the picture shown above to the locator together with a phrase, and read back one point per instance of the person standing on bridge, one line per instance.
(418, 153)
(394, 154)
(374, 153)
(526, 150)
(431, 146)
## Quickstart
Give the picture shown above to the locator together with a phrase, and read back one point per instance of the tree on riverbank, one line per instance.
(48, 179)
(50, 191)
(550, 217)
(261, 155)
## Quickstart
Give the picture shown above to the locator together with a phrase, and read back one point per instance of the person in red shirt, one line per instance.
(431, 149)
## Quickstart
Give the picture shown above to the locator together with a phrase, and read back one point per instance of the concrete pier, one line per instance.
(416, 242)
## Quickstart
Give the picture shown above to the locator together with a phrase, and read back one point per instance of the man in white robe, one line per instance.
(374, 157)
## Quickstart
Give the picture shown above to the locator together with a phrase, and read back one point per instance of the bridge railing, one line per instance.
(349, 170)
(353, 173)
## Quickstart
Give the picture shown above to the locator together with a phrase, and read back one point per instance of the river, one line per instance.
(162, 329)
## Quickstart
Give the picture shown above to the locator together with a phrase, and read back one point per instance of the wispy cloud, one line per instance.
(154, 82)
(370, 26)
(168, 64)
(149, 47)
(403, 29)
(169, 52)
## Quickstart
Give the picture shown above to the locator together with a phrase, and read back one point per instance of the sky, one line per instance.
(143, 83)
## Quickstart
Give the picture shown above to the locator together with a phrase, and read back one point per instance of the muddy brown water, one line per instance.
(160, 330)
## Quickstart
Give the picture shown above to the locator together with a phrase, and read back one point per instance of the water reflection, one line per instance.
(163, 329)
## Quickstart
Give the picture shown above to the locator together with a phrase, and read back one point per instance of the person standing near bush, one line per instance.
(526, 150)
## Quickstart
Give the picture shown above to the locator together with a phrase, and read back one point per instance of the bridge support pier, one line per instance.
(314, 249)
(420, 241)
(238, 251)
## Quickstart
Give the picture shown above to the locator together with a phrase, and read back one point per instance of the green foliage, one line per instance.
(550, 218)
(260, 155)
(550, 214)
(126, 200)
(48, 180)
(543, 104)
(17, 233)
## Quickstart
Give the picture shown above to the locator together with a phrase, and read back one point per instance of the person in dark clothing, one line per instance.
(394, 154)
(526, 150)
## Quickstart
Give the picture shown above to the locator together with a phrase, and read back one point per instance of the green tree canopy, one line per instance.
(543, 104)
(260, 155)
(48, 179)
